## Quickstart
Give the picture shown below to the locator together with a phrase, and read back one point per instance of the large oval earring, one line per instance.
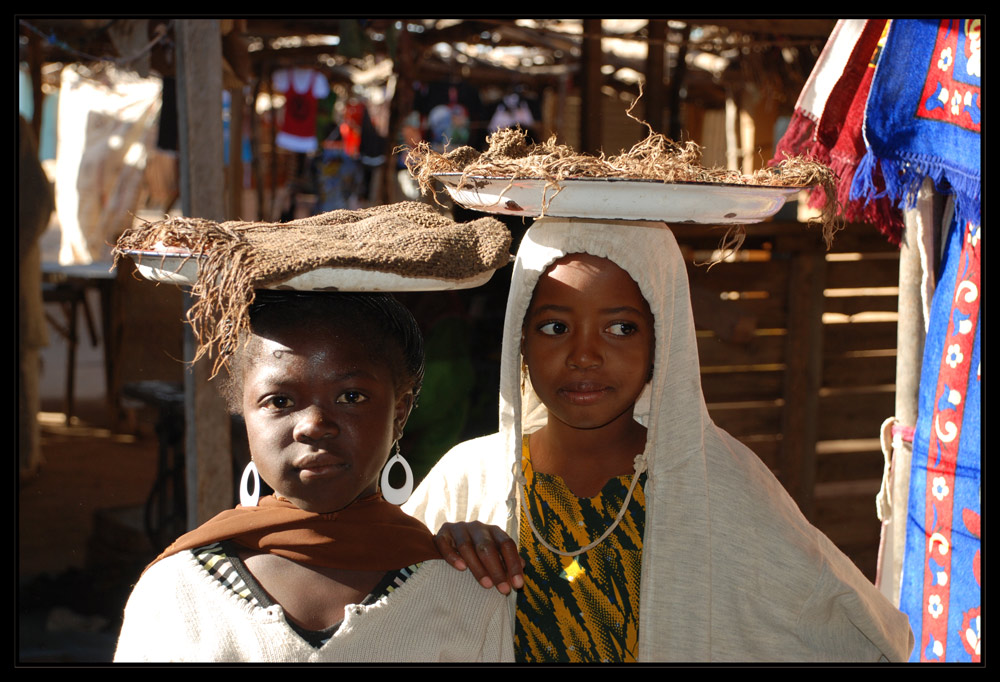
(397, 496)
(249, 498)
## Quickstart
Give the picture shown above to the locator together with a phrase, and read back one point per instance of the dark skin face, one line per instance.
(588, 344)
(587, 341)
(321, 415)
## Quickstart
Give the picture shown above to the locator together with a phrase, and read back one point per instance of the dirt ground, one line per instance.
(76, 560)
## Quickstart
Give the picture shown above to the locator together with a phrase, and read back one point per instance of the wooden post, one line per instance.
(910, 336)
(590, 88)
(676, 82)
(208, 456)
(35, 59)
(257, 163)
(273, 207)
(653, 92)
(237, 103)
(732, 132)
(404, 65)
(764, 118)
(803, 376)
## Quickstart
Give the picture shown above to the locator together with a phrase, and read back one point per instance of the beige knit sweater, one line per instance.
(178, 612)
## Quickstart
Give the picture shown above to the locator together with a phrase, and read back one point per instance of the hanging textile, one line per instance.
(800, 136)
(924, 114)
(106, 125)
(921, 99)
(922, 122)
(840, 131)
(827, 124)
(941, 582)
(302, 89)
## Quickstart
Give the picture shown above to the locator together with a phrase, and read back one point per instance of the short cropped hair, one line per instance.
(380, 323)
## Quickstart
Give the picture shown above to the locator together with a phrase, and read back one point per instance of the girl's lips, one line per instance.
(584, 393)
(318, 464)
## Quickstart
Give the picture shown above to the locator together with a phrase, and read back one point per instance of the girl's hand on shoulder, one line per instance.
(487, 551)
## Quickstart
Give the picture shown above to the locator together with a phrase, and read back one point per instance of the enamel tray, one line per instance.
(620, 199)
(182, 269)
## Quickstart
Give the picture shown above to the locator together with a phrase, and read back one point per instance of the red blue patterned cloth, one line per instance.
(941, 581)
(923, 120)
(924, 114)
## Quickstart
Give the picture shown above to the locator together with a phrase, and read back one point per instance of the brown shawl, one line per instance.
(370, 534)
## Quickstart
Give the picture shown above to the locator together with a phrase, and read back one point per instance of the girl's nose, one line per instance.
(584, 353)
(314, 424)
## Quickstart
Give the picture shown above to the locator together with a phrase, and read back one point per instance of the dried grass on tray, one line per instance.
(656, 157)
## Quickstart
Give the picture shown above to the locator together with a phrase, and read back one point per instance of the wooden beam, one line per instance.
(804, 28)
(590, 88)
(404, 65)
(653, 92)
(803, 372)
(35, 72)
(911, 337)
(208, 456)
(234, 195)
(677, 78)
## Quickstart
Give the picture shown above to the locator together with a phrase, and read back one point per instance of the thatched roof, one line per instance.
(776, 55)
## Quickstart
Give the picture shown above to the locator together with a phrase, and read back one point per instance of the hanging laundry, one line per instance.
(924, 114)
(923, 121)
(302, 89)
(828, 118)
(510, 112)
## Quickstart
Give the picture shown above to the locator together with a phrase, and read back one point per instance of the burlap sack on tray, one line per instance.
(410, 239)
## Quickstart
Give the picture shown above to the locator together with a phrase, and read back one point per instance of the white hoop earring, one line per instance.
(249, 498)
(397, 496)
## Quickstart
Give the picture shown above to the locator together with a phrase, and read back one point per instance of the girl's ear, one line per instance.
(403, 407)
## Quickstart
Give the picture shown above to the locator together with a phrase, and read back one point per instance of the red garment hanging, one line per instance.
(300, 108)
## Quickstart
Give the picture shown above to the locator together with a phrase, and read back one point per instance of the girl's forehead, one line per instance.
(588, 275)
(291, 337)
(584, 264)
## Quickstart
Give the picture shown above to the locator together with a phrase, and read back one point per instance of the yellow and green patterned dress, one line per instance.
(583, 608)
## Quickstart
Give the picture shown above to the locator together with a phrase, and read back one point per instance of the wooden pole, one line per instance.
(803, 376)
(590, 88)
(207, 447)
(911, 331)
(653, 92)
(676, 82)
(404, 64)
(35, 59)
(257, 163)
(237, 103)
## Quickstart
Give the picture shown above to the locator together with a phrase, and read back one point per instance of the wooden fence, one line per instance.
(798, 354)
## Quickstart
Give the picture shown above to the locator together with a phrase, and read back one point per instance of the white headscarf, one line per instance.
(731, 570)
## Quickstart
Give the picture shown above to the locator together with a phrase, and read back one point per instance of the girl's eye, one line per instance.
(278, 402)
(352, 397)
(622, 328)
(553, 328)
